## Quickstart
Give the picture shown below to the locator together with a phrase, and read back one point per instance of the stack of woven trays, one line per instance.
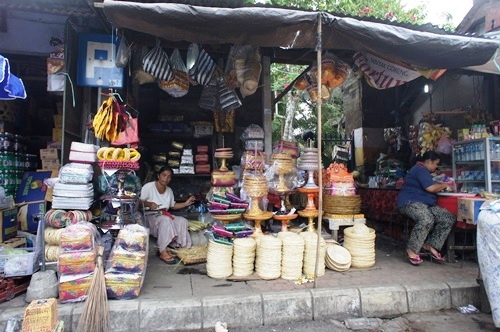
(219, 260)
(268, 260)
(310, 248)
(360, 241)
(292, 255)
(342, 204)
(337, 258)
(243, 256)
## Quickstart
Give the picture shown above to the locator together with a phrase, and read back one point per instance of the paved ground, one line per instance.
(178, 290)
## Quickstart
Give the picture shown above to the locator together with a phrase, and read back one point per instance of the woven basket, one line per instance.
(219, 260)
(243, 256)
(292, 257)
(310, 241)
(193, 255)
(342, 204)
(268, 260)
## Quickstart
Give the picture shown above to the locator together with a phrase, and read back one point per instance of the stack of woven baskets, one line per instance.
(268, 260)
(342, 204)
(244, 256)
(293, 252)
(219, 260)
(310, 248)
(360, 241)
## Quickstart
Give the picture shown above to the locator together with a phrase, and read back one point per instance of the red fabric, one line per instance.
(167, 214)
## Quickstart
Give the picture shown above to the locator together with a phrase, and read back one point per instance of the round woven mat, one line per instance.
(219, 260)
(243, 256)
(293, 253)
(337, 258)
(268, 260)
(310, 246)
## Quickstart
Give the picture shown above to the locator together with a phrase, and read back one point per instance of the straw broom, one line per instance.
(95, 315)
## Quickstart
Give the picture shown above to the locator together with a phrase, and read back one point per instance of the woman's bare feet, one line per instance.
(434, 253)
(411, 253)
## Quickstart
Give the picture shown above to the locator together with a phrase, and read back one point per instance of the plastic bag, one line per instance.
(444, 145)
(123, 53)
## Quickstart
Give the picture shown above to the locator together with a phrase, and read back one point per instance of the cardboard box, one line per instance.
(54, 145)
(8, 219)
(29, 215)
(32, 188)
(58, 120)
(49, 154)
(468, 209)
(57, 134)
(50, 164)
(41, 315)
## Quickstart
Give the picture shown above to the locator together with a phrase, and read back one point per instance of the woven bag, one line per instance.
(157, 63)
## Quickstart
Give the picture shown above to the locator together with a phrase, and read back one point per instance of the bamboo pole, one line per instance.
(319, 49)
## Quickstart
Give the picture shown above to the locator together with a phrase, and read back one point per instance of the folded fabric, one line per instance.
(82, 157)
(11, 87)
(201, 158)
(202, 148)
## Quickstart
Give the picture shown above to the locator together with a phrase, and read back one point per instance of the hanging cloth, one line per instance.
(11, 87)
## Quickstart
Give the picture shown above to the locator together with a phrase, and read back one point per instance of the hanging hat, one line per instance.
(11, 87)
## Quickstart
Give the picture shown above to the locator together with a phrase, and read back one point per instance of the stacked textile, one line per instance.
(76, 261)
(126, 267)
(74, 190)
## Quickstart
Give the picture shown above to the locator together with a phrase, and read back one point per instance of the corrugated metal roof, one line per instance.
(55, 7)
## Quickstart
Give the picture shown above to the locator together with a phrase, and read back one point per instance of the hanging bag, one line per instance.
(179, 85)
(130, 136)
(123, 53)
(156, 63)
(203, 69)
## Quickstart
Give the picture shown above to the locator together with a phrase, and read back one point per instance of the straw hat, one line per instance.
(360, 241)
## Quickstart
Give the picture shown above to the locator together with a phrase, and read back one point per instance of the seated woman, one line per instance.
(417, 200)
(168, 229)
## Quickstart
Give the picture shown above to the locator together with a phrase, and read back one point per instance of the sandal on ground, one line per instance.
(171, 261)
(417, 260)
(436, 256)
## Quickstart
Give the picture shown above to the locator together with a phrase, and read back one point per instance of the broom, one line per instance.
(95, 315)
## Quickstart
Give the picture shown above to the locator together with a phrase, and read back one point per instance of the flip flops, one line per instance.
(437, 257)
(171, 261)
(417, 260)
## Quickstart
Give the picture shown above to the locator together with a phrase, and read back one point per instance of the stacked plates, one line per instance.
(268, 261)
(293, 253)
(337, 258)
(219, 260)
(243, 256)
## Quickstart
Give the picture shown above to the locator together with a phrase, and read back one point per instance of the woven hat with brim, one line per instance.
(337, 258)
(219, 260)
(11, 87)
(360, 241)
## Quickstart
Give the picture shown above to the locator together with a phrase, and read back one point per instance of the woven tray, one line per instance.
(193, 255)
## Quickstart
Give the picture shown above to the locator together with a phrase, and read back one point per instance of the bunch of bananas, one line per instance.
(429, 136)
(118, 154)
(106, 121)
